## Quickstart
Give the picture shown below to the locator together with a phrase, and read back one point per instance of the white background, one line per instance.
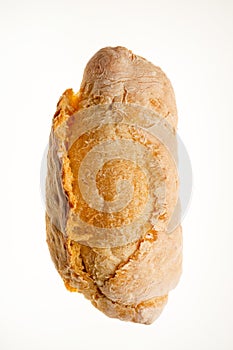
(44, 48)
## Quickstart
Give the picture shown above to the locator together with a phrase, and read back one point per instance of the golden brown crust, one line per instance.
(131, 280)
(68, 261)
(117, 75)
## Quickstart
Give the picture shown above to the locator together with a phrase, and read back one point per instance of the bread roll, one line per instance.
(112, 187)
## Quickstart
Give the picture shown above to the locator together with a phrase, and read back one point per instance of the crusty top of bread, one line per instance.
(115, 74)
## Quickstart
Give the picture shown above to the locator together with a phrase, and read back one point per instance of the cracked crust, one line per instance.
(68, 261)
(130, 282)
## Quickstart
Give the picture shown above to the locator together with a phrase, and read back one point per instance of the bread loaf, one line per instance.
(112, 187)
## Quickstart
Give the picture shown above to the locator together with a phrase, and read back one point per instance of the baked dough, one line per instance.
(112, 187)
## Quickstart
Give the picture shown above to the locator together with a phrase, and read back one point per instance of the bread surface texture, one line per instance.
(112, 187)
